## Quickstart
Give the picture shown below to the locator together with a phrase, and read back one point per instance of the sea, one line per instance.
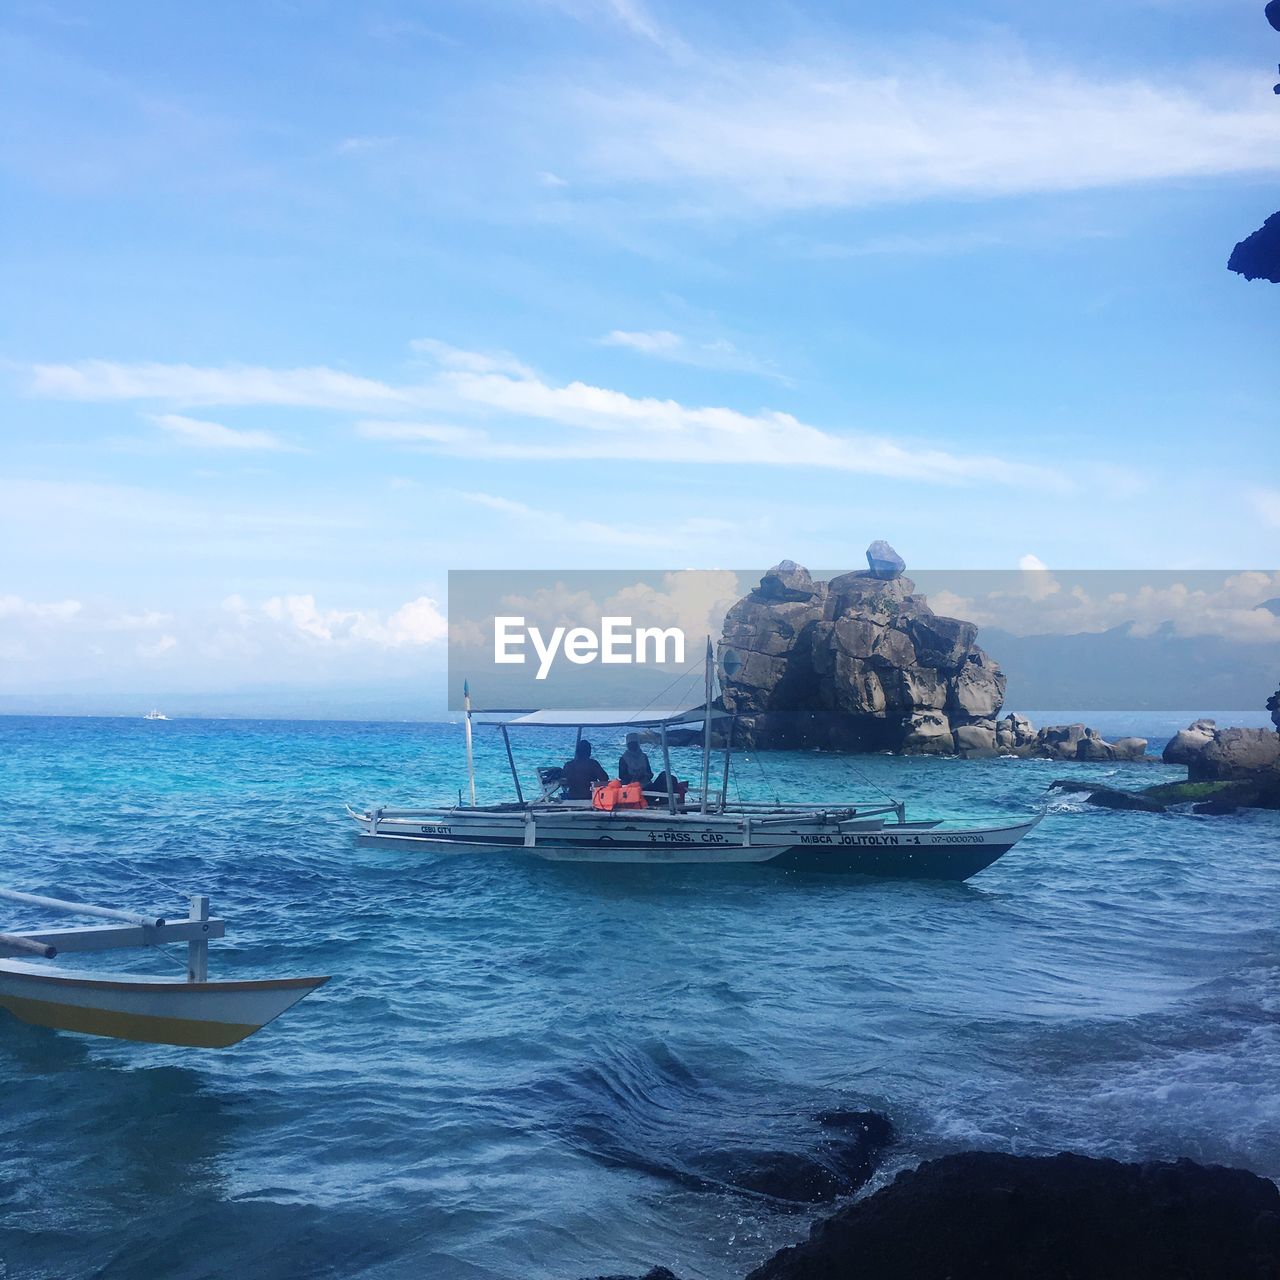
(525, 1070)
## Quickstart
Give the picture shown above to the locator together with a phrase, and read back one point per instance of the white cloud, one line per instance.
(451, 357)
(630, 427)
(652, 343)
(158, 648)
(849, 128)
(1200, 603)
(29, 610)
(595, 423)
(716, 354)
(419, 622)
(184, 384)
(213, 435)
(420, 432)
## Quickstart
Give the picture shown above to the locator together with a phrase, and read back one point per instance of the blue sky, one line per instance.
(307, 304)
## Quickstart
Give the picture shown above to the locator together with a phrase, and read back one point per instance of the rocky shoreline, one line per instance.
(1227, 769)
(981, 1215)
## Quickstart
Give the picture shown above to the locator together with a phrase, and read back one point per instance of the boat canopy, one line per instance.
(649, 716)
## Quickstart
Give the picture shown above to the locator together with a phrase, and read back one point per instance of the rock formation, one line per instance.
(1227, 769)
(857, 663)
(1224, 755)
(862, 663)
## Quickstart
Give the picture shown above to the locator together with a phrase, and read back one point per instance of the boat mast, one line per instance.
(706, 728)
(471, 764)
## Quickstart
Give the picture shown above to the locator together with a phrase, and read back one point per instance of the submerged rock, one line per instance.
(988, 1216)
(841, 1162)
(1110, 797)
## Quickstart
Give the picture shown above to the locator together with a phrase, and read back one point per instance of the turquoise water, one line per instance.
(516, 1064)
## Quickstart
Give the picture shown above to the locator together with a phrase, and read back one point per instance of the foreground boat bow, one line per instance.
(190, 1011)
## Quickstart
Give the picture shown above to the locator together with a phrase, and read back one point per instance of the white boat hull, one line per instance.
(207, 1015)
(803, 841)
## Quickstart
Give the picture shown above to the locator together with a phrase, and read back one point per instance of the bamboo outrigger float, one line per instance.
(190, 1011)
(688, 825)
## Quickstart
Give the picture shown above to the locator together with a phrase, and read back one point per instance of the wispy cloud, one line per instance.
(632, 16)
(420, 432)
(850, 129)
(504, 396)
(190, 385)
(12, 606)
(555, 526)
(718, 354)
(198, 434)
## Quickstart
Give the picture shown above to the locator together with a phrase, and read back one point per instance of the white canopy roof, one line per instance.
(609, 717)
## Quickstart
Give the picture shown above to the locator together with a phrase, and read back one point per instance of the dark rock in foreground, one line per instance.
(986, 1216)
(654, 1273)
(1257, 257)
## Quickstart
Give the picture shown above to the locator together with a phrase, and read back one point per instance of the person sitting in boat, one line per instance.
(582, 772)
(633, 764)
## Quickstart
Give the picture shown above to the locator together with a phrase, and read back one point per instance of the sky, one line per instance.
(306, 304)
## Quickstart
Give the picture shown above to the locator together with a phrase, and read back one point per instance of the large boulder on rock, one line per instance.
(884, 561)
(1129, 748)
(1273, 705)
(989, 1216)
(1188, 743)
(859, 663)
(1236, 754)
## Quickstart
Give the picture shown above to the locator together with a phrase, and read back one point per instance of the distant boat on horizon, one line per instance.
(155, 715)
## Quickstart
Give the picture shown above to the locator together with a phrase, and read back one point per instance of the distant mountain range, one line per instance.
(1118, 670)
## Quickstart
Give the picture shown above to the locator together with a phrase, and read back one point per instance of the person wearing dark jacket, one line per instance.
(581, 772)
(633, 764)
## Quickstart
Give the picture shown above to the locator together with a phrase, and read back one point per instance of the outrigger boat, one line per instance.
(190, 1011)
(688, 826)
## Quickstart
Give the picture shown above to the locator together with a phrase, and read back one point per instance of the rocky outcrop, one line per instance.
(1257, 257)
(1227, 769)
(862, 663)
(858, 663)
(1224, 755)
(983, 1214)
(1188, 743)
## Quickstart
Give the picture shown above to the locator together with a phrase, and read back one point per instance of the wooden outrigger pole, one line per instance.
(190, 1011)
